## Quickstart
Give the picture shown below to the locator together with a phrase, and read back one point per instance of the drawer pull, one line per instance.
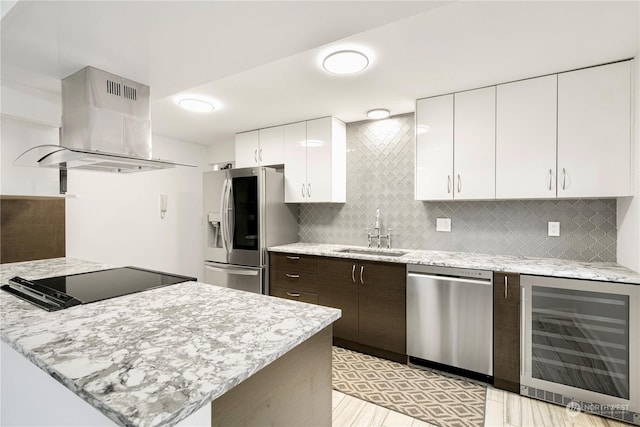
(293, 276)
(353, 274)
(291, 294)
(361, 275)
(295, 258)
(506, 291)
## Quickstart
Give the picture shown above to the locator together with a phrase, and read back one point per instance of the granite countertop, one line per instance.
(154, 357)
(604, 271)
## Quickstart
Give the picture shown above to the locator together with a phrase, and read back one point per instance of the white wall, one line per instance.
(628, 249)
(117, 219)
(222, 153)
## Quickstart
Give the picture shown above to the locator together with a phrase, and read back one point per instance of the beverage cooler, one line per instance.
(580, 345)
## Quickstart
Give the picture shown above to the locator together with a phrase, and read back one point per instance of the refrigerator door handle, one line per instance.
(237, 272)
(231, 215)
(223, 216)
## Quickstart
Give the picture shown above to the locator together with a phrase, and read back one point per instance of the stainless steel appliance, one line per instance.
(580, 345)
(450, 318)
(106, 127)
(245, 213)
(60, 292)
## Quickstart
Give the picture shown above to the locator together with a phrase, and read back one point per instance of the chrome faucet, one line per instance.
(378, 236)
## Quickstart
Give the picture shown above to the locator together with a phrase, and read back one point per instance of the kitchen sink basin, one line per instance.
(371, 251)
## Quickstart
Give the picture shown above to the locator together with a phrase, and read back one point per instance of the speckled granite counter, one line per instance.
(155, 357)
(605, 271)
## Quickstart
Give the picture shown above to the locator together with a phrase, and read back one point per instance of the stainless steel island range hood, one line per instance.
(106, 127)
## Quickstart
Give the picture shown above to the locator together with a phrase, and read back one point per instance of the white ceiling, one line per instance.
(260, 60)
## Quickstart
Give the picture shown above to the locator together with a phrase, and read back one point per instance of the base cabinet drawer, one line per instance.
(293, 262)
(291, 279)
(294, 295)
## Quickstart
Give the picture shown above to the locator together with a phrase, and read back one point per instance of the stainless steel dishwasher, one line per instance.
(450, 318)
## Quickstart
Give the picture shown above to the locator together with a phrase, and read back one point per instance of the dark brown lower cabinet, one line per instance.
(382, 307)
(506, 331)
(372, 297)
(339, 289)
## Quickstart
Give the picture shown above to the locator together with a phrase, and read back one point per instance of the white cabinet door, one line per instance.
(319, 165)
(594, 131)
(271, 151)
(526, 139)
(434, 148)
(247, 146)
(474, 148)
(295, 162)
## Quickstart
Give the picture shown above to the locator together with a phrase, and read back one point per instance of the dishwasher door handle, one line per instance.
(450, 279)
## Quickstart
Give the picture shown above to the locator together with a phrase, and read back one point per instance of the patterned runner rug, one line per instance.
(426, 395)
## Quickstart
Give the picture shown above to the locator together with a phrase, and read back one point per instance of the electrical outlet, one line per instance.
(554, 229)
(443, 224)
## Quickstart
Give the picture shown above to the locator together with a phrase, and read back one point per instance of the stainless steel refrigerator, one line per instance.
(244, 213)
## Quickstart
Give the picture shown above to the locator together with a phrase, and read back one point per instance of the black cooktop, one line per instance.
(58, 293)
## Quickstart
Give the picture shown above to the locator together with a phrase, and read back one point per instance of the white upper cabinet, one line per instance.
(564, 135)
(262, 147)
(315, 161)
(434, 148)
(455, 146)
(295, 162)
(594, 131)
(474, 144)
(271, 151)
(247, 146)
(526, 139)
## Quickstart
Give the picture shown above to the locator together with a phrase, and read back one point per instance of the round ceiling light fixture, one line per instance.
(345, 62)
(378, 113)
(197, 105)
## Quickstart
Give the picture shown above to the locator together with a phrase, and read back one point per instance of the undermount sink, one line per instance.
(372, 251)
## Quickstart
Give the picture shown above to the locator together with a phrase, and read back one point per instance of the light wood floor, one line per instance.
(502, 409)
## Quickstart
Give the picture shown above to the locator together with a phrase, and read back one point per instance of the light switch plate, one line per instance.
(443, 224)
(554, 229)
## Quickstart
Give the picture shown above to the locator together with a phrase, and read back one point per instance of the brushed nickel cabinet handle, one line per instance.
(303, 189)
(459, 183)
(506, 282)
(353, 274)
(550, 178)
(255, 155)
(448, 184)
(291, 294)
(293, 276)
(523, 338)
(564, 179)
(295, 258)
(361, 274)
(309, 189)
(260, 154)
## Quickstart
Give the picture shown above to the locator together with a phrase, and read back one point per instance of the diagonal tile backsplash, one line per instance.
(380, 163)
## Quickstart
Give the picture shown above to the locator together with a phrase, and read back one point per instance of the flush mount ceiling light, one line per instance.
(197, 105)
(378, 113)
(345, 62)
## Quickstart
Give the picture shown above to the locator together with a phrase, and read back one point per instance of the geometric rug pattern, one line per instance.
(422, 394)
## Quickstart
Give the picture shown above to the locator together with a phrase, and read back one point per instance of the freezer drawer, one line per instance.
(250, 279)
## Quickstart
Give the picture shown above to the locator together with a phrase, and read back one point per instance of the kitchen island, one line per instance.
(157, 357)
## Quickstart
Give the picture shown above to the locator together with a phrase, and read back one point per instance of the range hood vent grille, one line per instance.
(106, 126)
(128, 92)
